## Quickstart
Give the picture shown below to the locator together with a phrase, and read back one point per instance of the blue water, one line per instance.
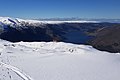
(77, 37)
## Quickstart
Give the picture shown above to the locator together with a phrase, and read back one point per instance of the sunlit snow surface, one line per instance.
(56, 61)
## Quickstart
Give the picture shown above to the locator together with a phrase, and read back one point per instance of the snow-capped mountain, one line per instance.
(40, 30)
(18, 21)
(77, 32)
(8, 20)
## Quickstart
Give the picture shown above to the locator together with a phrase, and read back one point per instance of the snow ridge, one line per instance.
(17, 21)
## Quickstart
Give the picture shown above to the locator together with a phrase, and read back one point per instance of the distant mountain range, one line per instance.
(101, 34)
(81, 19)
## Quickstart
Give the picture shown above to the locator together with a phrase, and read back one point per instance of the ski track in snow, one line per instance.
(17, 71)
(20, 73)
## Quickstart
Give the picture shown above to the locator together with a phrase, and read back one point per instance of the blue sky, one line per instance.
(60, 8)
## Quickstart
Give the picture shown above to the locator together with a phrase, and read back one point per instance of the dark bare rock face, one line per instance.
(107, 39)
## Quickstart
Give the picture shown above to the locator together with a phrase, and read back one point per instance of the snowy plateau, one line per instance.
(54, 60)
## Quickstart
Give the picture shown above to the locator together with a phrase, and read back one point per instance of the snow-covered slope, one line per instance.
(56, 61)
(8, 20)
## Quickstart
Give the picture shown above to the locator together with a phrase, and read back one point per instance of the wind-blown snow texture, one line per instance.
(56, 61)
